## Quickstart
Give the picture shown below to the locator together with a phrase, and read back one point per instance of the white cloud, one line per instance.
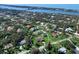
(39, 1)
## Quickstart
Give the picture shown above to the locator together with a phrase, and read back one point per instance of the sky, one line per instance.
(68, 4)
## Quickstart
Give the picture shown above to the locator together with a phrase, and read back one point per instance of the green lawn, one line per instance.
(54, 39)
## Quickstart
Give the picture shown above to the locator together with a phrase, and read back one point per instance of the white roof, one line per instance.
(23, 42)
(76, 50)
(76, 33)
(62, 50)
(68, 29)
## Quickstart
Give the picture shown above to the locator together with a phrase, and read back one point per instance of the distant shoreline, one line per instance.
(40, 9)
(65, 6)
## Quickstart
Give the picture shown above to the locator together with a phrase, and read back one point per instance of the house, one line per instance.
(42, 48)
(33, 29)
(41, 23)
(52, 16)
(10, 28)
(62, 50)
(20, 47)
(39, 39)
(54, 33)
(34, 14)
(13, 19)
(76, 50)
(19, 30)
(8, 46)
(22, 42)
(76, 34)
(68, 19)
(29, 26)
(69, 30)
(77, 31)
(37, 22)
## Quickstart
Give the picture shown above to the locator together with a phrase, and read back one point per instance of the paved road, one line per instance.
(62, 40)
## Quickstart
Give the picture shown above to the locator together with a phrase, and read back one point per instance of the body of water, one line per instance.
(66, 6)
